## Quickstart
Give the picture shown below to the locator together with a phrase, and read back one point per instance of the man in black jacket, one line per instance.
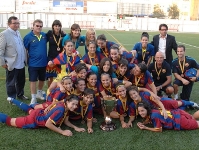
(164, 43)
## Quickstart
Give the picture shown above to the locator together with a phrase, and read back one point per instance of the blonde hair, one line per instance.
(88, 32)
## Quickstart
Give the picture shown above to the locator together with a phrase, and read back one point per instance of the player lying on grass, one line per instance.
(177, 119)
(37, 118)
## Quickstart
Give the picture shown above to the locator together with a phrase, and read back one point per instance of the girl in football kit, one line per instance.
(177, 119)
(37, 118)
(68, 60)
(93, 57)
(84, 109)
(124, 107)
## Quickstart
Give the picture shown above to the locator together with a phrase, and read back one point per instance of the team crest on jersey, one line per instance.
(186, 65)
(163, 70)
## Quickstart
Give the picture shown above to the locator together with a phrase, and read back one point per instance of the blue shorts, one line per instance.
(37, 73)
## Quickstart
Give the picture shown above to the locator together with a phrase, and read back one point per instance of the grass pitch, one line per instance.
(17, 139)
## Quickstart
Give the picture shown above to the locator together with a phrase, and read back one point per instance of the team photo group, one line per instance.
(140, 79)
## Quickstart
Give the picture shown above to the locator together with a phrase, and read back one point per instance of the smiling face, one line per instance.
(159, 58)
(37, 27)
(180, 52)
(81, 86)
(92, 80)
(114, 53)
(101, 43)
(69, 47)
(121, 91)
(134, 95)
(144, 41)
(106, 66)
(76, 33)
(136, 70)
(92, 36)
(106, 80)
(122, 69)
(91, 48)
(56, 28)
(88, 99)
(72, 105)
(82, 74)
(142, 112)
(67, 84)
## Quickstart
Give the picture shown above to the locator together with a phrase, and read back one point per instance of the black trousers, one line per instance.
(15, 82)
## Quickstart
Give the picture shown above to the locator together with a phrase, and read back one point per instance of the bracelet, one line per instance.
(161, 87)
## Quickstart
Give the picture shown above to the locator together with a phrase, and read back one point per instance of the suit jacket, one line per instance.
(8, 52)
(170, 44)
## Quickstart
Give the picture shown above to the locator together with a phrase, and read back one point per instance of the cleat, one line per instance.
(195, 105)
(9, 99)
(33, 101)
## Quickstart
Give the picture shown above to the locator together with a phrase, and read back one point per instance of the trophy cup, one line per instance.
(108, 103)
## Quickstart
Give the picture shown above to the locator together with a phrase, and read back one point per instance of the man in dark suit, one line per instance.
(13, 58)
(164, 43)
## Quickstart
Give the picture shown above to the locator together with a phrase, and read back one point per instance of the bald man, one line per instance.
(161, 72)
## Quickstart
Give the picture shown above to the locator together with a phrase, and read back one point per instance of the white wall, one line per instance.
(102, 22)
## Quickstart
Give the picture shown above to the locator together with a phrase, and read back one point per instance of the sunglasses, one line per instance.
(38, 26)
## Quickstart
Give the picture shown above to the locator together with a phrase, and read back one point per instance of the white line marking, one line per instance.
(188, 44)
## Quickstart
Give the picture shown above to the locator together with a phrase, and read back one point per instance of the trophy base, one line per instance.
(107, 127)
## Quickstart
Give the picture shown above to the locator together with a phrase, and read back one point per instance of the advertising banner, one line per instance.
(32, 6)
(70, 6)
(8, 6)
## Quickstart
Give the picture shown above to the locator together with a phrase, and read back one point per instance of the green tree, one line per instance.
(173, 11)
(158, 12)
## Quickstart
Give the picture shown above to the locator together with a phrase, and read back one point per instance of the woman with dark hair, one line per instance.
(115, 56)
(144, 50)
(177, 119)
(106, 45)
(54, 38)
(105, 66)
(75, 37)
(52, 120)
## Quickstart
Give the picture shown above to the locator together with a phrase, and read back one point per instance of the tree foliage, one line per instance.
(173, 12)
(158, 12)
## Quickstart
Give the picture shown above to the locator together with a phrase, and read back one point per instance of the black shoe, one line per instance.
(23, 97)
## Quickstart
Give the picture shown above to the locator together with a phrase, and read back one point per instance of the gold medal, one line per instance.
(57, 42)
(143, 53)
(182, 66)
(158, 72)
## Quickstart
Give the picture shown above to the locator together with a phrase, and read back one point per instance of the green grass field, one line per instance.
(18, 139)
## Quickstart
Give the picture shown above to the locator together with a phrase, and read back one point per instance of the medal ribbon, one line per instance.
(123, 103)
(58, 40)
(182, 65)
(158, 72)
(143, 53)
(82, 109)
(137, 80)
(90, 58)
(71, 63)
